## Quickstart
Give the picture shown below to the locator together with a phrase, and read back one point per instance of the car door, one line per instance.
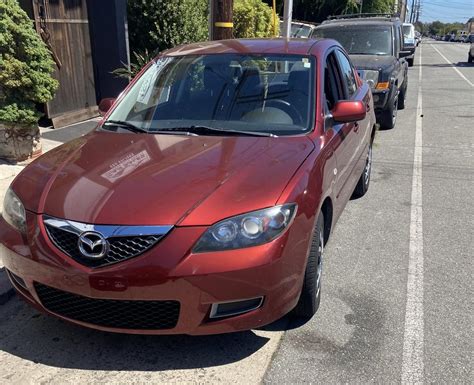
(361, 129)
(343, 135)
(354, 132)
(401, 65)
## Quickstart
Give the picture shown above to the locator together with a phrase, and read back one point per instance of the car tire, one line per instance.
(469, 59)
(388, 117)
(403, 95)
(310, 296)
(411, 61)
(364, 181)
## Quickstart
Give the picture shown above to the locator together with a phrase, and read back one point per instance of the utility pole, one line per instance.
(287, 17)
(418, 11)
(221, 15)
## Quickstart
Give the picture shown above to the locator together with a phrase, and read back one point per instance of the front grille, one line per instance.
(120, 248)
(142, 315)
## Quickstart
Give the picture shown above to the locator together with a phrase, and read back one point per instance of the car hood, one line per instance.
(372, 62)
(137, 179)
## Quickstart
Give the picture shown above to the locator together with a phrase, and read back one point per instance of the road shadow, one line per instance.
(38, 338)
(460, 64)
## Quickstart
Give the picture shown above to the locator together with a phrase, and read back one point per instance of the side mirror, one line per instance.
(105, 105)
(348, 111)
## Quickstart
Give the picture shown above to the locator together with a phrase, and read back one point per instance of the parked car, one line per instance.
(203, 200)
(409, 41)
(375, 46)
(301, 29)
(470, 54)
(418, 38)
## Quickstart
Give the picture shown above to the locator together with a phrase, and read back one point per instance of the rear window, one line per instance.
(409, 31)
(360, 39)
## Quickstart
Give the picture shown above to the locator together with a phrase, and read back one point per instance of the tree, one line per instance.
(25, 81)
(378, 6)
(318, 10)
(252, 18)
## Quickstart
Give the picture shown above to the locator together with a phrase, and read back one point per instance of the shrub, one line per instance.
(162, 24)
(25, 67)
(253, 18)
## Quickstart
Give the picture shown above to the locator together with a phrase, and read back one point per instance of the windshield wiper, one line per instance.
(127, 125)
(203, 130)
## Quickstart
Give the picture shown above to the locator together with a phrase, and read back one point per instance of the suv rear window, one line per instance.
(360, 39)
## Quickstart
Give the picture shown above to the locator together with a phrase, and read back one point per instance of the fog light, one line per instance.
(227, 309)
(376, 98)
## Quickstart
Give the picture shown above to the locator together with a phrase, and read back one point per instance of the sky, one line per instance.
(447, 11)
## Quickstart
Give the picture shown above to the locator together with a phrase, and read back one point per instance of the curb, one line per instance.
(6, 289)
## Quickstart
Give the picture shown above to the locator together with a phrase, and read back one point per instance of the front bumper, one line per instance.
(167, 272)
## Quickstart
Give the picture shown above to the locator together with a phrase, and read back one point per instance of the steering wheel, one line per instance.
(286, 107)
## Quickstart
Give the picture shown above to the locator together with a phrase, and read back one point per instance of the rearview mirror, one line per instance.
(105, 105)
(347, 111)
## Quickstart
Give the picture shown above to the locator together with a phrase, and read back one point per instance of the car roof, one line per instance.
(247, 46)
(366, 22)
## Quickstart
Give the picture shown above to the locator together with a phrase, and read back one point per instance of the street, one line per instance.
(397, 283)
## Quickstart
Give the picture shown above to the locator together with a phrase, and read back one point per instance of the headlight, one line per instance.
(247, 230)
(14, 211)
(371, 77)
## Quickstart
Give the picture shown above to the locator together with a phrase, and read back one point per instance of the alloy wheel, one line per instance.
(319, 269)
(368, 166)
(394, 111)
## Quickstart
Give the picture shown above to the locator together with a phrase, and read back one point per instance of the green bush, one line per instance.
(161, 24)
(253, 18)
(25, 67)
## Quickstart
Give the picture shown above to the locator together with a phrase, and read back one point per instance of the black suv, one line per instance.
(375, 45)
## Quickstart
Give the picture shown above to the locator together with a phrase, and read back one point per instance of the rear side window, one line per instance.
(347, 73)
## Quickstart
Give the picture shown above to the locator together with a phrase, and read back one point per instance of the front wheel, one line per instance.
(411, 61)
(403, 95)
(469, 59)
(310, 296)
(388, 117)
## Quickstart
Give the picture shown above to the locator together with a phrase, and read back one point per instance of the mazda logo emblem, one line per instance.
(93, 245)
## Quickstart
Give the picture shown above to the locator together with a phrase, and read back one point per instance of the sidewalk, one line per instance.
(51, 138)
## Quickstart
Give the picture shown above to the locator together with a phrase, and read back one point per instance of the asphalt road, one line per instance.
(408, 241)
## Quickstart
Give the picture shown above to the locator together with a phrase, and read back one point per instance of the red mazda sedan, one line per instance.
(202, 201)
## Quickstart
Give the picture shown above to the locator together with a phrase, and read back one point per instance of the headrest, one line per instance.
(299, 79)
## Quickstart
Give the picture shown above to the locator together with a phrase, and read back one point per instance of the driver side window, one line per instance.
(332, 85)
(347, 72)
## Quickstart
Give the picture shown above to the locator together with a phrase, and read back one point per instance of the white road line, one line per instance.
(413, 366)
(452, 66)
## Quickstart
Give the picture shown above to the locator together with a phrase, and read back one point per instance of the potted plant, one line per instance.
(26, 81)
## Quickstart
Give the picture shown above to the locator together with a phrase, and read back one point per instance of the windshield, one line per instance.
(266, 94)
(360, 40)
